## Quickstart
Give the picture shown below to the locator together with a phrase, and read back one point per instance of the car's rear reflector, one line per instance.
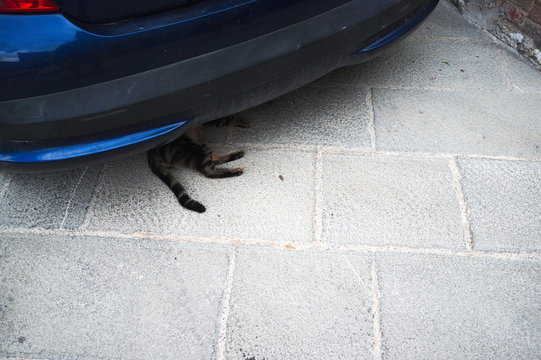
(27, 6)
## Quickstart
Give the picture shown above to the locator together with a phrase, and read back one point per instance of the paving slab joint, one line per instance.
(101, 175)
(462, 202)
(5, 187)
(533, 256)
(68, 206)
(376, 312)
(318, 209)
(226, 301)
(371, 117)
(508, 90)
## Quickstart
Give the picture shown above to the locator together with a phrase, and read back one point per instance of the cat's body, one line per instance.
(189, 152)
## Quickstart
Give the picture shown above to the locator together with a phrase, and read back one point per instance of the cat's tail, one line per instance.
(183, 198)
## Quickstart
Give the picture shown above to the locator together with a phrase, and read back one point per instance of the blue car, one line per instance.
(83, 81)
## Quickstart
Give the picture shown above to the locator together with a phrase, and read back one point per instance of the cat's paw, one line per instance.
(237, 171)
(237, 155)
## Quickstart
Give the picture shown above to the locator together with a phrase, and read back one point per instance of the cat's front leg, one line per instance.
(217, 173)
(224, 158)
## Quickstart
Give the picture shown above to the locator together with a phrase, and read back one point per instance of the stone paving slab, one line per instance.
(479, 123)
(446, 22)
(438, 307)
(311, 116)
(48, 200)
(257, 204)
(504, 198)
(88, 298)
(300, 305)
(455, 64)
(524, 76)
(385, 200)
(130, 298)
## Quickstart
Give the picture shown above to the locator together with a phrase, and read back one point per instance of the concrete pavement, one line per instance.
(390, 210)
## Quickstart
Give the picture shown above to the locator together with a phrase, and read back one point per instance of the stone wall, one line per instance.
(517, 22)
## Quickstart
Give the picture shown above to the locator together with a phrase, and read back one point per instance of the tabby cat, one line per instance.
(188, 151)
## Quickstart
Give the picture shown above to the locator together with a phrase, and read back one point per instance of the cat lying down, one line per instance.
(189, 152)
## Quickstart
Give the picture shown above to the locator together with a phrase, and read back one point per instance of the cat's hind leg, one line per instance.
(181, 194)
(163, 172)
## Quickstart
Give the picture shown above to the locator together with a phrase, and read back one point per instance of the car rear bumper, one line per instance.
(138, 112)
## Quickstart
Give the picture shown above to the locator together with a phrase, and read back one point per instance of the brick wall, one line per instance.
(526, 15)
(517, 22)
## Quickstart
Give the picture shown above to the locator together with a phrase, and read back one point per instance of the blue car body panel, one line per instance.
(42, 54)
(74, 92)
(87, 148)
